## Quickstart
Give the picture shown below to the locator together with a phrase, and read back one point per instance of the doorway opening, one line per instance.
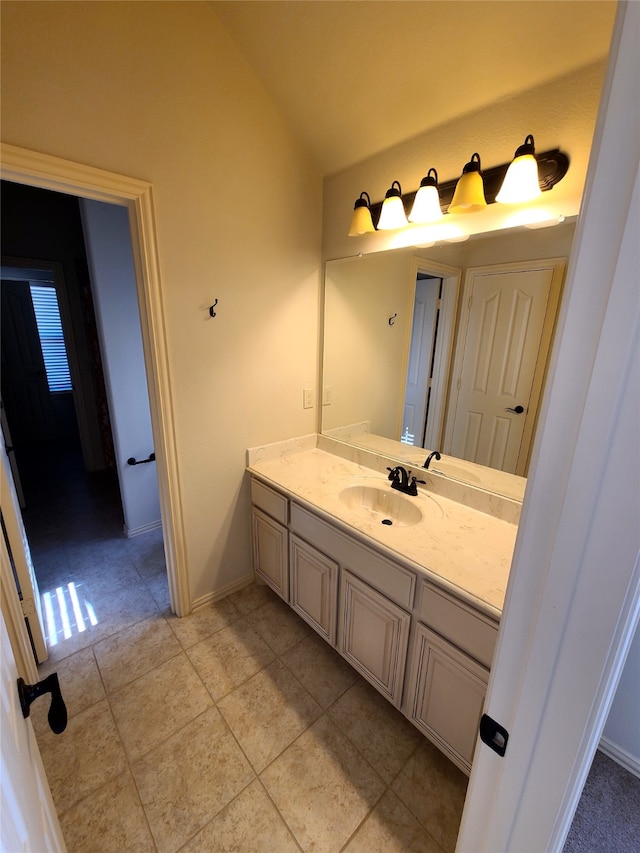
(422, 356)
(92, 580)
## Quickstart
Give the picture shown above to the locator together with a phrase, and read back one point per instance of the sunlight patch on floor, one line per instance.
(63, 613)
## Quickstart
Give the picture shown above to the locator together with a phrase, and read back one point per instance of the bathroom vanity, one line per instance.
(409, 590)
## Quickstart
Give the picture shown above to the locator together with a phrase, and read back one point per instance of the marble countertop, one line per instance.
(466, 550)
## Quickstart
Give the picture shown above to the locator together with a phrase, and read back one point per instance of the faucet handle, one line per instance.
(413, 487)
(393, 473)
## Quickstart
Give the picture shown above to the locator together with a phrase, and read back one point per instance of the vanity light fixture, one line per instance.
(469, 194)
(426, 205)
(361, 221)
(392, 215)
(475, 190)
(521, 183)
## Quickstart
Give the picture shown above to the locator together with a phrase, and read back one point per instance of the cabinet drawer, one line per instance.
(469, 630)
(270, 501)
(396, 582)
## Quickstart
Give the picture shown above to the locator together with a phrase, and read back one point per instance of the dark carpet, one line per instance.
(607, 819)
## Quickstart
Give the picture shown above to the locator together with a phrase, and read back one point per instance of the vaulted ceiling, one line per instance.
(357, 77)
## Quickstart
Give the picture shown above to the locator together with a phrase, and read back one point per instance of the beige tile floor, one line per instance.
(234, 729)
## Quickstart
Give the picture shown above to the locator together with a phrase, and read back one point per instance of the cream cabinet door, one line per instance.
(270, 552)
(373, 636)
(313, 587)
(447, 695)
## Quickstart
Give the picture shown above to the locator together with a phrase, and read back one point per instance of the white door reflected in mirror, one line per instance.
(501, 361)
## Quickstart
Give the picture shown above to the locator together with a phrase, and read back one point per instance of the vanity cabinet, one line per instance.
(424, 648)
(373, 636)
(270, 537)
(313, 587)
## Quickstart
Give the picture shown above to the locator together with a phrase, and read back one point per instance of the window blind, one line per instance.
(45, 306)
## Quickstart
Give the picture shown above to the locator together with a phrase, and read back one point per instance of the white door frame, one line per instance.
(426, 302)
(25, 574)
(573, 598)
(53, 173)
(443, 355)
(13, 616)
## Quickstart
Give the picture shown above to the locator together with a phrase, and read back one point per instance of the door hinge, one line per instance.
(493, 734)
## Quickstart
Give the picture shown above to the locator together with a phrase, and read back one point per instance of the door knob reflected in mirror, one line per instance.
(517, 410)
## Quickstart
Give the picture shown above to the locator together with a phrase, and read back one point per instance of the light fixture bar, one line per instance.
(552, 167)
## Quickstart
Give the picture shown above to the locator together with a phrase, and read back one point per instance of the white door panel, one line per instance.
(507, 311)
(29, 821)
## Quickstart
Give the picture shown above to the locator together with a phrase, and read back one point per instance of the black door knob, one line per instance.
(517, 410)
(57, 710)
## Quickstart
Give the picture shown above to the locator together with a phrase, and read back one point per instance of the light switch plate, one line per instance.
(307, 398)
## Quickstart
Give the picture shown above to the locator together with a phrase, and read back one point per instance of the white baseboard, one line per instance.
(130, 532)
(211, 597)
(620, 756)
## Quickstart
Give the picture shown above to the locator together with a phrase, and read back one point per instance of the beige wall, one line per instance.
(560, 114)
(157, 91)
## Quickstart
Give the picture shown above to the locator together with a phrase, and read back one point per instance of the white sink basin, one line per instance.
(382, 505)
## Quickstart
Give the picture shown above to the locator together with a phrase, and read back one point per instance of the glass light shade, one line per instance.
(469, 194)
(392, 215)
(521, 182)
(361, 221)
(426, 205)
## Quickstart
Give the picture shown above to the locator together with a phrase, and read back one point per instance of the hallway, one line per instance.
(234, 729)
(93, 581)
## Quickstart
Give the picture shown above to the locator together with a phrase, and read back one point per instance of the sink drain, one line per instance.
(386, 521)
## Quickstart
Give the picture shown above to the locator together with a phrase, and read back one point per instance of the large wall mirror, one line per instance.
(446, 349)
